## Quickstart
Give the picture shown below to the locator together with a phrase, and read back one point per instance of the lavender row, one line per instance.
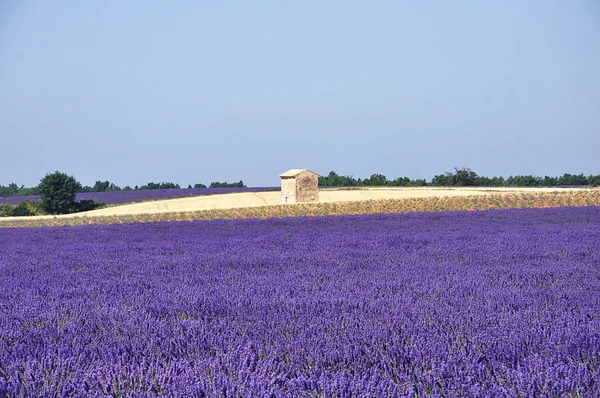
(495, 303)
(116, 197)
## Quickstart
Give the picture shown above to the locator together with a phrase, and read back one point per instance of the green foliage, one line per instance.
(58, 192)
(407, 182)
(25, 208)
(570, 179)
(101, 186)
(376, 180)
(439, 180)
(162, 185)
(467, 177)
(34, 208)
(549, 181)
(239, 184)
(490, 182)
(335, 180)
(523, 181)
(464, 177)
(461, 177)
(199, 185)
(87, 205)
(6, 210)
(13, 189)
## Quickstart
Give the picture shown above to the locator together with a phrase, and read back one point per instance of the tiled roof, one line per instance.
(294, 172)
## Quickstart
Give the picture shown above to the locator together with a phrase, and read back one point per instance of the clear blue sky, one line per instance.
(193, 91)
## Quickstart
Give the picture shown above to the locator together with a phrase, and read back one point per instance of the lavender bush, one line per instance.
(496, 303)
(116, 197)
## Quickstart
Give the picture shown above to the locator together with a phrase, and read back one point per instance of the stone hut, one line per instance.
(299, 185)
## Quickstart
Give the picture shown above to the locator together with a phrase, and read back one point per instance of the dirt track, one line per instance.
(255, 199)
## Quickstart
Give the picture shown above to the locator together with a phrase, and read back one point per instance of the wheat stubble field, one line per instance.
(273, 198)
(257, 199)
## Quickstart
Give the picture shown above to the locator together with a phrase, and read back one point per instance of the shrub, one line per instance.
(87, 205)
(6, 210)
(25, 208)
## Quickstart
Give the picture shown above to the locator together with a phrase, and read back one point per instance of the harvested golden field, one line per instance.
(333, 202)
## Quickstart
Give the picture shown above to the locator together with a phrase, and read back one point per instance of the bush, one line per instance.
(87, 205)
(6, 210)
(25, 208)
(58, 192)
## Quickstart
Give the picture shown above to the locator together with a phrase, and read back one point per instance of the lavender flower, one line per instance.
(495, 303)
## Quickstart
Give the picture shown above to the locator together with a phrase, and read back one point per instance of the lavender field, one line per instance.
(118, 197)
(500, 303)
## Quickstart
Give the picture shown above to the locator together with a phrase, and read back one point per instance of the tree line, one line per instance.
(461, 177)
(13, 189)
(375, 180)
(466, 177)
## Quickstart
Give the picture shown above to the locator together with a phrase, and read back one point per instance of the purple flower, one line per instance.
(494, 303)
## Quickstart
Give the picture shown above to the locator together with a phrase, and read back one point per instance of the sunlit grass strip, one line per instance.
(431, 204)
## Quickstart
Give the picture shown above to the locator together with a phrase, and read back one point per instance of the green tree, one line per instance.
(524, 181)
(14, 190)
(100, 186)
(376, 180)
(462, 177)
(162, 185)
(105, 186)
(58, 192)
(335, 180)
(441, 180)
(216, 184)
(594, 180)
(570, 179)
